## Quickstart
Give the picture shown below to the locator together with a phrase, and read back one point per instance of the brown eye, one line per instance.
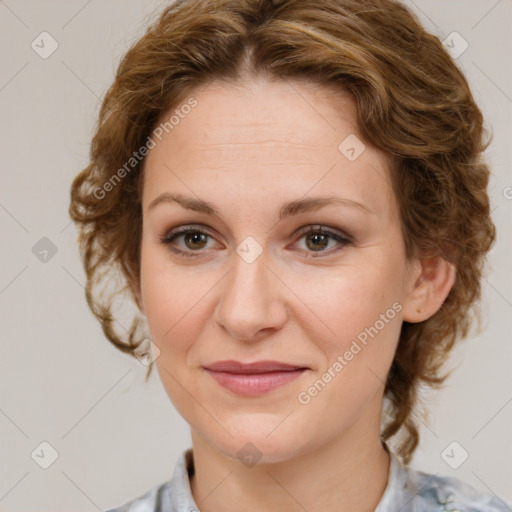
(317, 240)
(195, 240)
(186, 241)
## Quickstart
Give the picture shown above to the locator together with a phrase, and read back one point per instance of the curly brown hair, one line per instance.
(412, 101)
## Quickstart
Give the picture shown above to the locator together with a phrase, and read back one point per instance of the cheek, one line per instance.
(363, 312)
(173, 307)
(359, 309)
(346, 301)
(172, 302)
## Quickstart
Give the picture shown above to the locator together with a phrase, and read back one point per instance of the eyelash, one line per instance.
(169, 237)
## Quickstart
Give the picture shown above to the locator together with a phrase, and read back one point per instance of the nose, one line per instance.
(252, 304)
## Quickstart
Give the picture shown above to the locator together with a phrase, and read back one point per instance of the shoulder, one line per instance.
(174, 495)
(412, 490)
(433, 492)
(151, 501)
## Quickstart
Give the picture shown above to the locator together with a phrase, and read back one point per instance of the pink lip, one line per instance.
(253, 379)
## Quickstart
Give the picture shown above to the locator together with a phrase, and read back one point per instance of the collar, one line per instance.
(179, 498)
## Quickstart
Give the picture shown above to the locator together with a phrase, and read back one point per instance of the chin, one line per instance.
(260, 441)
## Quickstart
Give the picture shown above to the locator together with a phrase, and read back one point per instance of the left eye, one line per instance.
(317, 240)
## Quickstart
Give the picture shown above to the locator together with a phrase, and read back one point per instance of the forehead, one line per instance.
(266, 142)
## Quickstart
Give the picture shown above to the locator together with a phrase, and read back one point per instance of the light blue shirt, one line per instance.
(407, 490)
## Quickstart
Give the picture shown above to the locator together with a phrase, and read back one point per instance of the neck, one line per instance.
(348, 473)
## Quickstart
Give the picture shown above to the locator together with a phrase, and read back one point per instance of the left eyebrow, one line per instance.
(315, 203)
(288, 209)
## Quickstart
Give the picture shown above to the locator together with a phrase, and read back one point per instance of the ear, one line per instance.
(432, 280)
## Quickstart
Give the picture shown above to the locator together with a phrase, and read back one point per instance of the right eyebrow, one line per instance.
(189, 203)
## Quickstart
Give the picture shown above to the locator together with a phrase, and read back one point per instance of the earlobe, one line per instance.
(430, 289)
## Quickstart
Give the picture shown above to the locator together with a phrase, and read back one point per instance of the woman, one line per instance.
(294, 196)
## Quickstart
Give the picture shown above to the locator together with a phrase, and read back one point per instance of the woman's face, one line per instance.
(255, 280)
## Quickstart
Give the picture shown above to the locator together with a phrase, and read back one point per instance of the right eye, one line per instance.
(193, 239)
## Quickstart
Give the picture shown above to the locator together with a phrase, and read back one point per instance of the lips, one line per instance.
(253, 379)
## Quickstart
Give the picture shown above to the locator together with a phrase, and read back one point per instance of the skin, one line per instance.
(249, 149)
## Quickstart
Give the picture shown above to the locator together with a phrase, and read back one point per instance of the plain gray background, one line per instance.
(63, 383)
